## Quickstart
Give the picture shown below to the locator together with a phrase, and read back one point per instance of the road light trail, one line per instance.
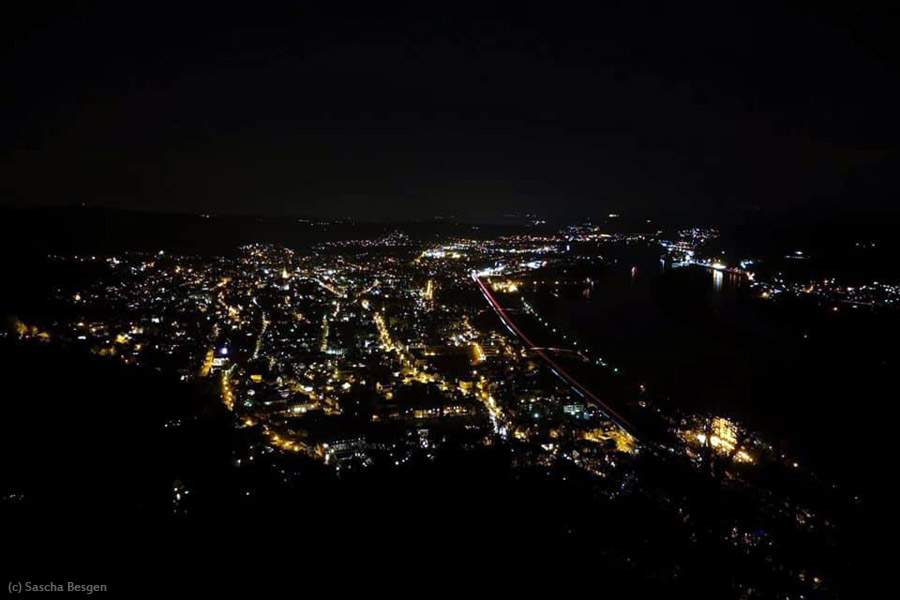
(554, 366)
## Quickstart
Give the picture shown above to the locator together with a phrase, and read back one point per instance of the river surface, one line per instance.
(814, 379)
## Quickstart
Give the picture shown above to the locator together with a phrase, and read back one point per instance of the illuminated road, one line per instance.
(564, 351)
(554, 366)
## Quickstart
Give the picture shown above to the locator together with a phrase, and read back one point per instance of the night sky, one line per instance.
(472, 110)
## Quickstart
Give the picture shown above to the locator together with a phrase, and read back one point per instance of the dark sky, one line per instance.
(466, 109)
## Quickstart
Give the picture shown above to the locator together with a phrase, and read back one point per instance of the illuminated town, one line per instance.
(389, 352)
(504, 299)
